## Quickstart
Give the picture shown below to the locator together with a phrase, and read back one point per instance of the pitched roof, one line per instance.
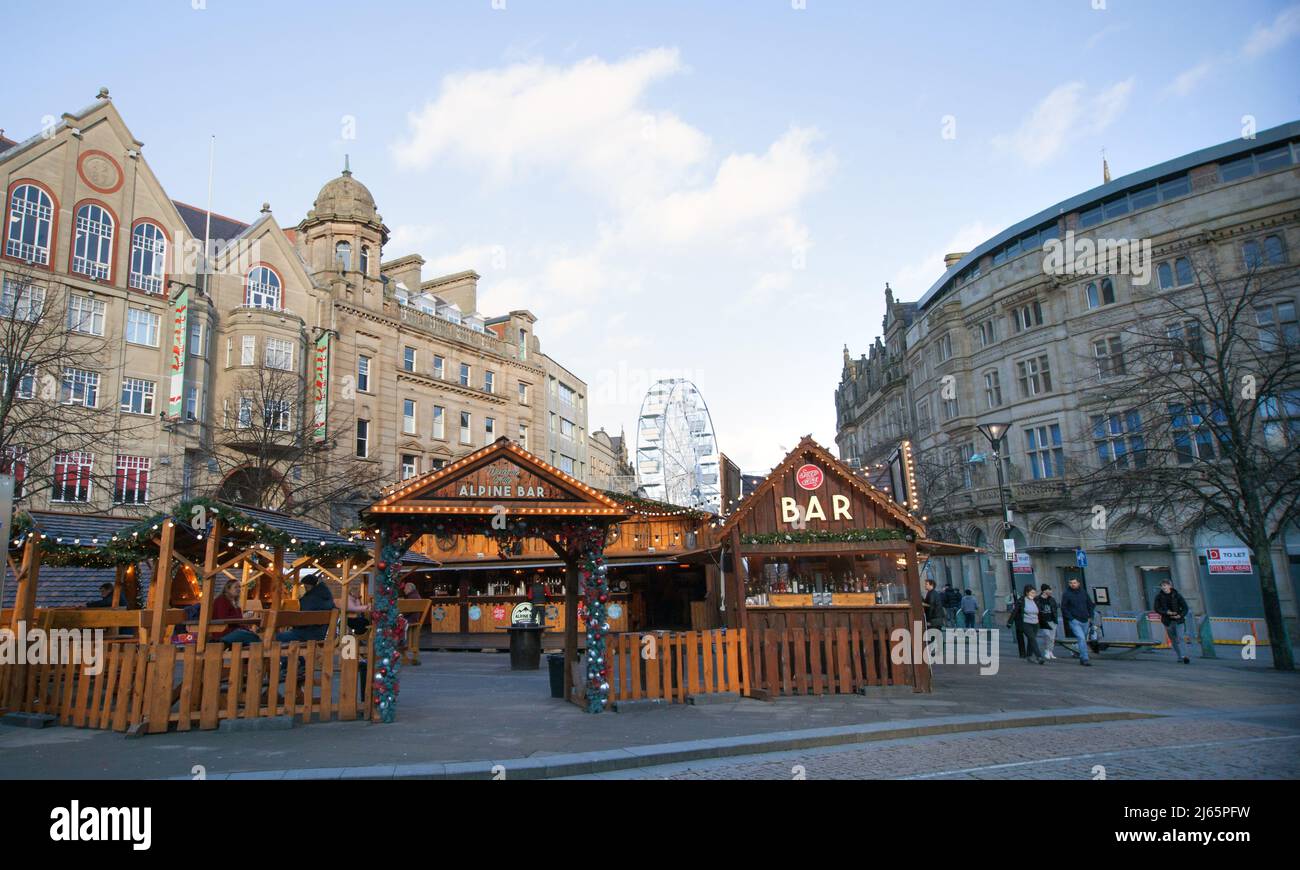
(224, 228)
(89, 530)
(293, 526)
(67, 586)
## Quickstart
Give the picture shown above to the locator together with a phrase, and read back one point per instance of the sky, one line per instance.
(711, 190)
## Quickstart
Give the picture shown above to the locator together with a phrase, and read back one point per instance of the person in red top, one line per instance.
(226, 606)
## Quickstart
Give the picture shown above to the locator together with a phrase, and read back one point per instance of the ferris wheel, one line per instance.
(676, 450)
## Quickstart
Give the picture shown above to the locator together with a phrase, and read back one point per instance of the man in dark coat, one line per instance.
(951, 602)
(932, 603)
(1173, 609)
(1077, 609)
(317, 596)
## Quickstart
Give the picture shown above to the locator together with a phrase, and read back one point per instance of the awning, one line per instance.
(943, 548)
(498, 565)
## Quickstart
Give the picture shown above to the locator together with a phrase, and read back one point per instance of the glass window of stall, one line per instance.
(857, 579)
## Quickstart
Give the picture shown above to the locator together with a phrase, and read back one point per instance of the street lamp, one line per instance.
(995, 432)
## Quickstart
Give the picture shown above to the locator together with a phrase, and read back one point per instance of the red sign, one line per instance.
(809, 476)
(499, 613)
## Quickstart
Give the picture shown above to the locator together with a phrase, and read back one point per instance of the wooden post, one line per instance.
(160, 590)
(920, 670)
(28, 574)
(209, 581)
(277, 581)
(737, 610)
(570, 623)
(119, 582)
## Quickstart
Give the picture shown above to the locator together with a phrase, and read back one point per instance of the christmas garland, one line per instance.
(650, 506)
(384, 617)
(815, 537)
(593, 580)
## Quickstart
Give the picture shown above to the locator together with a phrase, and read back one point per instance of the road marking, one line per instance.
(1215, 743)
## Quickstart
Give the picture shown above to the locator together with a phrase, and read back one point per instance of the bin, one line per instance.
(555, 663)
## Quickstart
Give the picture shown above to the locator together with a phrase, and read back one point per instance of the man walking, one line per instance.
(1172, 608)
(1077, 609)
(1048, 615)
(932, 604)
(969, 608)
(951, 603)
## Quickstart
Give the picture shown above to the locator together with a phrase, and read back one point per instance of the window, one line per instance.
(552, 425)
(464, 375)
(567, 394)
(489, 382)
(1035, 376)
(523, 345)
(1044, 452)
(439, 421)
(1109, 353)
(1274, 253)
(523, 435)
(523, 393)
(263, 288)
(410, 465)
(1115, 437)
(137, 396)
(408, 358)
(566, 427)
(1194, 432)
(343, 256)
(85, 314)
(1281, 417)
(365, 259)
(279, 354)
(923, 415)
(248, 350)
(950, 408)
(408, 416)
(465, 426)
(988, 332)
(148, 257)
(1183, 271)
(245, 419)
(1179, 274)
(489, 430)
(193, 410)
(142, 327)
(992, 389)
(1103, 295)
(80, 387)
(14, 462)
(566, 464)
(131, 482)
(72, 476)
(198, 338)
(1185, 342)
(1263, 161)
(31, 216)
(439, 367)
(24, 388)
(22, 300)
(1028, 316)
(93, 251)
(1278, 326)
(363, 373)
(945, 347)
(277, 415)
(363, 438)
(1251, 255)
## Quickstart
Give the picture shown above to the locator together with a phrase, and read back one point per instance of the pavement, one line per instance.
(467, 714)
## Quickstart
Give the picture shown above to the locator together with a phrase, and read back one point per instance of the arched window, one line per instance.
(263, 289)
(1274, 255)
(92, 254)
(365, 259)
(1250, 253)
(1166, 273)
(148, 257)
(1103, 296)
(343, 254)
(1183, 269)
(31, 217)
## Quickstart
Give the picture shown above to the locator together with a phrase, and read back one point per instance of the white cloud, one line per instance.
(913, 280)
(1267, 37)
(1188, 79)
(1066, 113)
(408, 238)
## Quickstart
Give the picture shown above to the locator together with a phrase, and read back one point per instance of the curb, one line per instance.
(632, 757)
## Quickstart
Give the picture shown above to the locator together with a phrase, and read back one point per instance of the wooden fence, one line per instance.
(671, 666)
(162, 686)
(822, 661)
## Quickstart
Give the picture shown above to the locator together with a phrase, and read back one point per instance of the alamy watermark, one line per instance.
(57, 646)
(948, 646)
(1087, 256)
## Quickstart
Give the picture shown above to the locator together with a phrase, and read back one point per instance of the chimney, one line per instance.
(950, 260)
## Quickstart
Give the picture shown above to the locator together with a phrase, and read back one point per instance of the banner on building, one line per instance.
(180, 331)
(1022, 565)
(1227, 560)
(321, 386)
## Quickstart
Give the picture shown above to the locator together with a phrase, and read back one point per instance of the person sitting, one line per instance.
(316, 596)
(105, 598)
(358, 620)
(226, 606)
(409, 590)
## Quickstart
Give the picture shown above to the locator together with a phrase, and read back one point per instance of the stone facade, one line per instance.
(610, 467)
(417, 376)
(999, 339)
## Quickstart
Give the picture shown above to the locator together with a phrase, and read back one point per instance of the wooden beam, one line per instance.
(920, 670)
(160, 589)
(277, 578)
(737, 610)
(28, 575)
(209, 576)
(570, 623)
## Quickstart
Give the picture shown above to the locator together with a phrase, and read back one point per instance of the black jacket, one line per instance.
(1048, 611)
(317, 597)
(1173, 601)
(1075, 604)
(933, 603)
(951, 598)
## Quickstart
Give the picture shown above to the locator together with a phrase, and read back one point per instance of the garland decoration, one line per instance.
(818, 537)
(593, 580)
(384, 617)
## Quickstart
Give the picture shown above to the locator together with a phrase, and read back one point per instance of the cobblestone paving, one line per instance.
(1147, 749)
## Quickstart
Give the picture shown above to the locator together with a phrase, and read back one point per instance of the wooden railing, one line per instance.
(160, 686)
(672, 666)
(823, 661)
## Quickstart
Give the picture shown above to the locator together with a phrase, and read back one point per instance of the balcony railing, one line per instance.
(449, 331)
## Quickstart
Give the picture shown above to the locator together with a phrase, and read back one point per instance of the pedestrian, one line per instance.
(1049, 613)
(933, 606)
(1173, 609)
(969, 608)
(951, 603)
(1077, 609)
(1026, 615)
(317, 596)
(1013, 606)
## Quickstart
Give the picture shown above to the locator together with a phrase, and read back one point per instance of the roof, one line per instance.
(196, 219)
(87, 529)
(294, 526)
(1213, 154)
(6, 143)
(68, 586)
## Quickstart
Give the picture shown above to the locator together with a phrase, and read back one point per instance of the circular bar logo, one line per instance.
(809, 476)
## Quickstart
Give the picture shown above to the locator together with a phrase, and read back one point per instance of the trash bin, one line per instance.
(555, 662)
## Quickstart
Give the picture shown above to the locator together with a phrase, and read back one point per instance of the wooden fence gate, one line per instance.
(671, 666)
(822, 661)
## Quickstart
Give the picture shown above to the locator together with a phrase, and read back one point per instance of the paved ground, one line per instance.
(470, 706)
(1182, 747)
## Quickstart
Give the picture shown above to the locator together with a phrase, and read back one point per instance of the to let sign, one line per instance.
(1227, 560)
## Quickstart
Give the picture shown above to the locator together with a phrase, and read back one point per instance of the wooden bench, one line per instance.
(416, 611)
(1128, 647)
(278, 620)
(106, 618)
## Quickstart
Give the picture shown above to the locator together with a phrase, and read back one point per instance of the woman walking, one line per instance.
(1026, 617)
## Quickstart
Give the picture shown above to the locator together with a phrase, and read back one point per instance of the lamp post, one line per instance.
(995, 432)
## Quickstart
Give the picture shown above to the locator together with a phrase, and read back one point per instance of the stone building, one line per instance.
(610, 467)
(288, 366)
(997, 338)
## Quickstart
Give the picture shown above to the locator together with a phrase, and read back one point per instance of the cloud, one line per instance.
(1065, 114)
(1267, 37)
(913, 280)
(1188, 79)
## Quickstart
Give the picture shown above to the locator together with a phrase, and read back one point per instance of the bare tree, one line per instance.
(1201, 421)
(264, 448)
(52, 398)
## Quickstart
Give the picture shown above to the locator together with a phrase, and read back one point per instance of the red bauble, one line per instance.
(382, 566)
